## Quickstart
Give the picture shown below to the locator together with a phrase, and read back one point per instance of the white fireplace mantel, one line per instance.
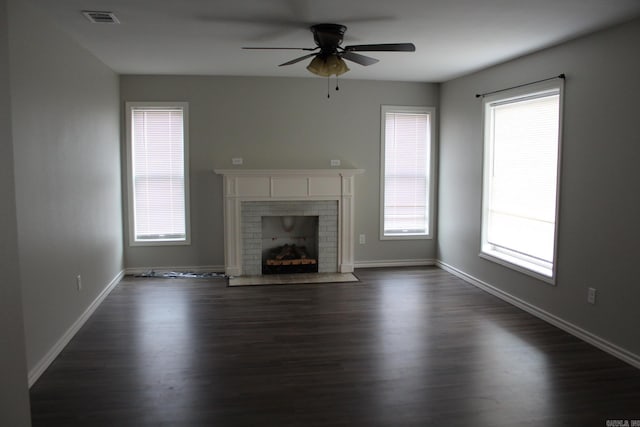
(242, 185)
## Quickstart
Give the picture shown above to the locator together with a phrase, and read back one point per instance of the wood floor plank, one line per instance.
(402, 347)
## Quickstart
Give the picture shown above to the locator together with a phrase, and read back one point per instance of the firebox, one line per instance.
(289, 244)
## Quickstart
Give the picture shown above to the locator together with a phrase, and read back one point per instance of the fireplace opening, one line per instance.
(289, 244)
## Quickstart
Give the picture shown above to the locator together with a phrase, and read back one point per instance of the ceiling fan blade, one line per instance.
(385, 47)
(358, 59)
(302, 58)
(282, 48)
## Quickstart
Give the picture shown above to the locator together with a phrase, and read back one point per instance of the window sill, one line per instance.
(541, 273)
(406, 237)
(160, 243)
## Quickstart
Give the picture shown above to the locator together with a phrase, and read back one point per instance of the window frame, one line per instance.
(509, 258)
(129, 107)
(431, 112)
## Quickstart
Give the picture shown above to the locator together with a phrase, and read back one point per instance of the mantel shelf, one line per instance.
(288, 172)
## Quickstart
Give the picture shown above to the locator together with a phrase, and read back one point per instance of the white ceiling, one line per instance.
(452, 37)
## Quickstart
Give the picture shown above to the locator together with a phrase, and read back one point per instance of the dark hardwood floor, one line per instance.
(404, 347)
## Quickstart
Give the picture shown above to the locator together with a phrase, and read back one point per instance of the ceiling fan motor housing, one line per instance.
(328, 36)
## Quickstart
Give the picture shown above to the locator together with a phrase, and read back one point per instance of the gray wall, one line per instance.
(14, 397)
(66, 135)
(599, 207)
(277, 123)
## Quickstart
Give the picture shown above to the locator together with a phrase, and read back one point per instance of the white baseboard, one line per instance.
(604, 345)
(181, 269)
(44, 363)
(395, 263)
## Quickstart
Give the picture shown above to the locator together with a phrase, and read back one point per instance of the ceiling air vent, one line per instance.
(100, 17)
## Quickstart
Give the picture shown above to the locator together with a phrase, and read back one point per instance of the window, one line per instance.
(158, 174)
(521, 169)
(406, 172)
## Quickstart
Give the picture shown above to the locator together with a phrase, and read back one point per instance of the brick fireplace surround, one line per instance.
(251, 193)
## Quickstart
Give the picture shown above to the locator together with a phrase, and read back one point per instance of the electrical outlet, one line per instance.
(79, 282)
(335, 162)
(591, 296)
(236, 161)
(363, 239)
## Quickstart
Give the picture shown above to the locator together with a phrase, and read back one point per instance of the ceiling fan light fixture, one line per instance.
(326, 66)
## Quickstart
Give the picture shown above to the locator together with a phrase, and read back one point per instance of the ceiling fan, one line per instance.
(328, 55)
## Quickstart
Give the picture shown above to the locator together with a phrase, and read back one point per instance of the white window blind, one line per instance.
(406, 166)
(158, 174)
(521, 167)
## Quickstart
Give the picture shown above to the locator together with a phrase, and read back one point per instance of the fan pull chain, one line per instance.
(329, 85)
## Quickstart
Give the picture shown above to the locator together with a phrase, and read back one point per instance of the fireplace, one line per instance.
(259, 205)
